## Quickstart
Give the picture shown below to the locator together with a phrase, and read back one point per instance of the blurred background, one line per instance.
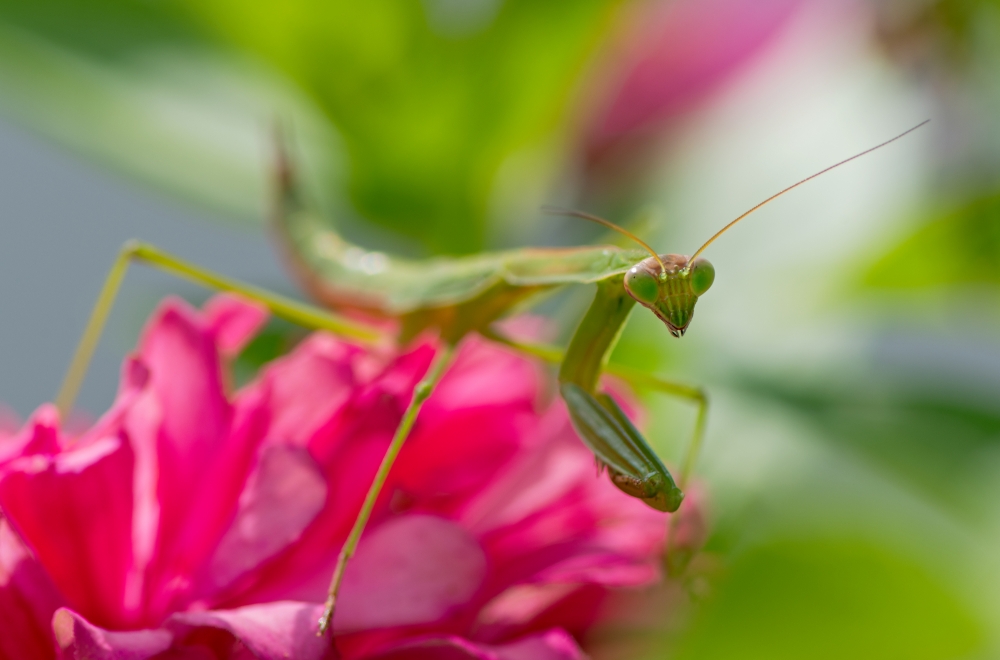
(850, 345)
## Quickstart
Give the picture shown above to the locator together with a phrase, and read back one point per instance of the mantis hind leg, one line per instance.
(639, 380)
(421, 393)
(291, 310)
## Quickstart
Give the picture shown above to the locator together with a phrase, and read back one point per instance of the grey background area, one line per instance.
(62, 221)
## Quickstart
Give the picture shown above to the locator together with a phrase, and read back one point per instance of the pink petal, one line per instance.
(133, 380)
(550, 525)
(9, 422)
(309, 386)
(39, 436)
(303, 571)
(234, 321)
(451, 456)
(182, 557)
(349, 445)
(282, 497)
(553, 645)
(81, 640)
(192, 456)
(373, 409)
(547, 475)
(602, 566)
(179, 350)
(673, 53)
(415, 569)
(75, 512)
(519, 604)
(27, 601)
(486, 375)
(275, 631)
(354, 437)
(576, 612)
(472, 425)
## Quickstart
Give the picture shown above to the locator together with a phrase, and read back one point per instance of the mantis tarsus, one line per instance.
(461, 295)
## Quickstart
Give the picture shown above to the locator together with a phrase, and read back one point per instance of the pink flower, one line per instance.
(670, 56)
(192, 522)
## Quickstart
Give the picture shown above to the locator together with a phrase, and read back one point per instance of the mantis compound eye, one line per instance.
(642, 285)
(702, 276)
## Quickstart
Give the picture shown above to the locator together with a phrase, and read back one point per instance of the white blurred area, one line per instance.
(786, 297)
(63, 220)
(819, 94)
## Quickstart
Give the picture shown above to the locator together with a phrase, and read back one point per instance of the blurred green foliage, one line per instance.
(865, 549)
(961, 246)
(956, 29)
(926, 435)
(428, 99)
(960, 19)
(830, 598)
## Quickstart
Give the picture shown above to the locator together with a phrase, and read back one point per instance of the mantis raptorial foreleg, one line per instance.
(639, 380)
(291, 310)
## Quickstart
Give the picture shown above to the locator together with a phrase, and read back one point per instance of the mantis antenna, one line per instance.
(610, 225)
(796, 185)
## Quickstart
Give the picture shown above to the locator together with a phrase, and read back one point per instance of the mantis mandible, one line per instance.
(462, 295)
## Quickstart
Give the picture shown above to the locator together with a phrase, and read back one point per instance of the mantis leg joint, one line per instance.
(422, 391)
(131, 248)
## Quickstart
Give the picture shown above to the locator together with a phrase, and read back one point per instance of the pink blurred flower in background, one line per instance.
(668, 58)
(190, 522)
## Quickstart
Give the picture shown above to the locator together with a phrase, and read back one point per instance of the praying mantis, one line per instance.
(459, 296)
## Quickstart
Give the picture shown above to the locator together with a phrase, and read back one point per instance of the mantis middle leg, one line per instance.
(286, 308)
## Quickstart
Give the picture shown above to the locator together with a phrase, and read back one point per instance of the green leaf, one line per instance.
(961, 246)
(927, 433)
(425, 100)
(136, 86)
(831, 598)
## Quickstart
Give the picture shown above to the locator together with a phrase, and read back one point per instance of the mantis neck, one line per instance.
(597, 334)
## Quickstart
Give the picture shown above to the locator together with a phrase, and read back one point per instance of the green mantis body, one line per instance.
(456, 296)
(463, 295)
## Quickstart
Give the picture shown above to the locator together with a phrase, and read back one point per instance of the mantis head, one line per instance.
(669, 287)
(670, 284)
(666, 284)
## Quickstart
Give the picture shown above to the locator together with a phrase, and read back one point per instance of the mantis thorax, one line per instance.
(669, 287)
